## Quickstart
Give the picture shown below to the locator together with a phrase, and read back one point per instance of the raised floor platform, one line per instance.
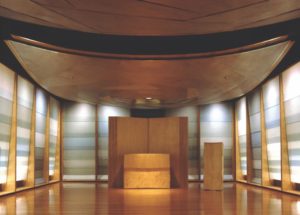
(93, 198)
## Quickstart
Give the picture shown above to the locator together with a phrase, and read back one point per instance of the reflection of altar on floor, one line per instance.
(147, 171)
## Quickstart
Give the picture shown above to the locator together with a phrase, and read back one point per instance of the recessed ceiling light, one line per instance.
(148, 98)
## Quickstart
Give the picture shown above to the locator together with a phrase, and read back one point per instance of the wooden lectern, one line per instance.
(213, 166)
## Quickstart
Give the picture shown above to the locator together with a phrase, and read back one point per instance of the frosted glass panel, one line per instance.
(272, 122)
(24, 112)
(104, 112)
(54, 114)
(79, 141)
(40, 135)
(291, 91)
(193, 151)
(6, 97)
(255, 132)
(216, 126)
(242, 132)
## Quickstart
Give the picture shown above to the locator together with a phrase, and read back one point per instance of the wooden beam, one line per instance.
(10, 185)
(264, 153)
(285, 167)
(31, 161)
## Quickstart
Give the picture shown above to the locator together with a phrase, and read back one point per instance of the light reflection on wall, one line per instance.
(24, 112)
(79, 141)
(242, 132)
(291, 90)
(191, 112)
(216, 126)
(6, 97)
(104, 112)
(272, 122)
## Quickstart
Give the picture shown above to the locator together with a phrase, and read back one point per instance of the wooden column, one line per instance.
(11, 171)
(31, 163)
(285, 168)
(264, 153)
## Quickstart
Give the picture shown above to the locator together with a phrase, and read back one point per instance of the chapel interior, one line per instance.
(149, 107)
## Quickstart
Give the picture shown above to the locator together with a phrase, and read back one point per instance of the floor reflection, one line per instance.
(92, 198)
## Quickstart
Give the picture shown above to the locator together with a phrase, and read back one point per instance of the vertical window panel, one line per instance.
(216, 126)
(242, 132)
(6, 100)
(191, 113)
(24, 112)
(272, 122)
(291, 91)
(79, 141)
(40, 135)
(54, 114)
(104, 112)
(255, 132)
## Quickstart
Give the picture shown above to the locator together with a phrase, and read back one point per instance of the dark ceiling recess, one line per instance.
(147, 45)
(148, 113)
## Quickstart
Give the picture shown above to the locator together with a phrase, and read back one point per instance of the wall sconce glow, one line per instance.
(41, 102)
(271, 95)
(216, 112)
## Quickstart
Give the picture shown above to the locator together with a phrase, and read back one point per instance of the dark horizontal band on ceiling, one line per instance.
(146, 45)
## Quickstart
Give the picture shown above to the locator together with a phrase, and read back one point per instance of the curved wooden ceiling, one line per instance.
(151, 17)
(170, 83)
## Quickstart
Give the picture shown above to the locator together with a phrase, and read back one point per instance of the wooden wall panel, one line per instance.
(126, 135)
(285, 166)
(168, 135)
(139, 135)
(11, 170)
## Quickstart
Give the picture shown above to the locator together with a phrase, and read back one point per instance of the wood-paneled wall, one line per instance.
(138, 135)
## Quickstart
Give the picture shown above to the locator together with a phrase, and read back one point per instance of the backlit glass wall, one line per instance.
(104, 112)
(193, 148)
(272, 123)
(6, 99)
(242, 132)
(53, 133)
(291, 91)
(40, 135)
(216, 126)
(255, 132)
(24, 114)
(79, 141)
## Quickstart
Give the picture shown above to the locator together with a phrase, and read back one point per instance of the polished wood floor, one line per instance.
(91, 198)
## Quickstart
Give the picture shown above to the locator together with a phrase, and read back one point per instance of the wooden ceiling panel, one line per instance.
(152, 17)
(198, 80)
